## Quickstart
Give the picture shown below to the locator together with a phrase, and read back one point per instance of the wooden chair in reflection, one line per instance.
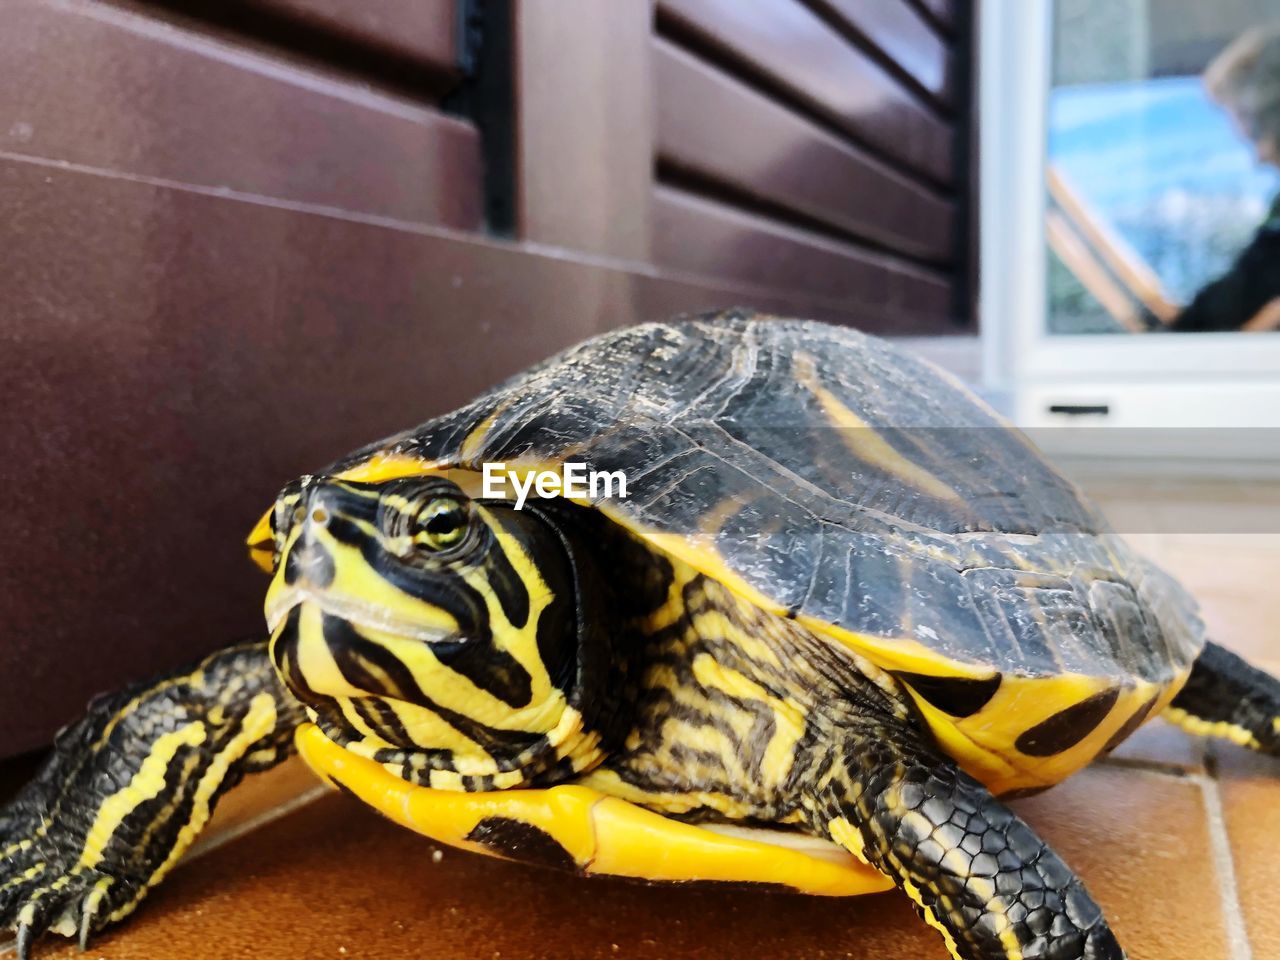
(1111, 270)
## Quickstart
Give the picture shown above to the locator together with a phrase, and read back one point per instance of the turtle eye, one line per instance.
(441, 523)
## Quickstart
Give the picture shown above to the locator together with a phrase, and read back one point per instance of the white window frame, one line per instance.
(1210, 379)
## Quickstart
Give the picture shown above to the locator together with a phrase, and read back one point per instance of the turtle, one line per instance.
(823, 613)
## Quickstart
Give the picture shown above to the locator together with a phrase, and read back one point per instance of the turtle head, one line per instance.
(438, 634)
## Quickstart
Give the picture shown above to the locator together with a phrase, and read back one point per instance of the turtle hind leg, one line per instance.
(129, 787)
(1226, 697)
(974, 870)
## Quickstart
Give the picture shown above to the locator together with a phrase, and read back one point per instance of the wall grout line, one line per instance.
(151, 25)
(1168, 769)
(1237, 932)
(1224, 863)
(486, 241)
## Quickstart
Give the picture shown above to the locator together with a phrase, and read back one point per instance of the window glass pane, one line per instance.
(1164, 141)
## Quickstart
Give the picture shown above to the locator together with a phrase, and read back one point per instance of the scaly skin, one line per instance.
(974, 870)
(1226, 697)
(865, 773)
(129, 787)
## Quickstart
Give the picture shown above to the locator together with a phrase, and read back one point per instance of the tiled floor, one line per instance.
(1177, 840)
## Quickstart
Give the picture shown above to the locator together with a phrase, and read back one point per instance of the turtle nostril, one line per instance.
(309, 563)
(320, 516)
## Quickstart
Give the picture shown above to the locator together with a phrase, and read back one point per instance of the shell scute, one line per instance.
(845, 482)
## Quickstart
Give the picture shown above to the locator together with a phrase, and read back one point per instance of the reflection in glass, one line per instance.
(1164, 144)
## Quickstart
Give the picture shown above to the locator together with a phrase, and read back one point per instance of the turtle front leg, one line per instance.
(130, 786)
(974, 870)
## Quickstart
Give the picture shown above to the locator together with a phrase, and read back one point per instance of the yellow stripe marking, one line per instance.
(789, 724)
(474, 440)
(145, 785)
(194, 678)
(865, 442)
(385, 466)
(1222, 729)
(17, 847)
(848, 836)
(930, 915)
(258, 721)
(161, 818)
(30, 873)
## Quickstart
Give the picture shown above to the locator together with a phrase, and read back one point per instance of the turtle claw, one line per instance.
(88, 910)
(42, 913)
(73, 911)
(44, 886)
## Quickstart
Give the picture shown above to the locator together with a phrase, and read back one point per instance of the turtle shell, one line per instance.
(829, 476)
(826, 476)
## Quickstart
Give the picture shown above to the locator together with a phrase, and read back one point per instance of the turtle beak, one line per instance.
(261, 543)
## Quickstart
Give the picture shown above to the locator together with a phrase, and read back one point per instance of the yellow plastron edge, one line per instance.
(603, 835)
